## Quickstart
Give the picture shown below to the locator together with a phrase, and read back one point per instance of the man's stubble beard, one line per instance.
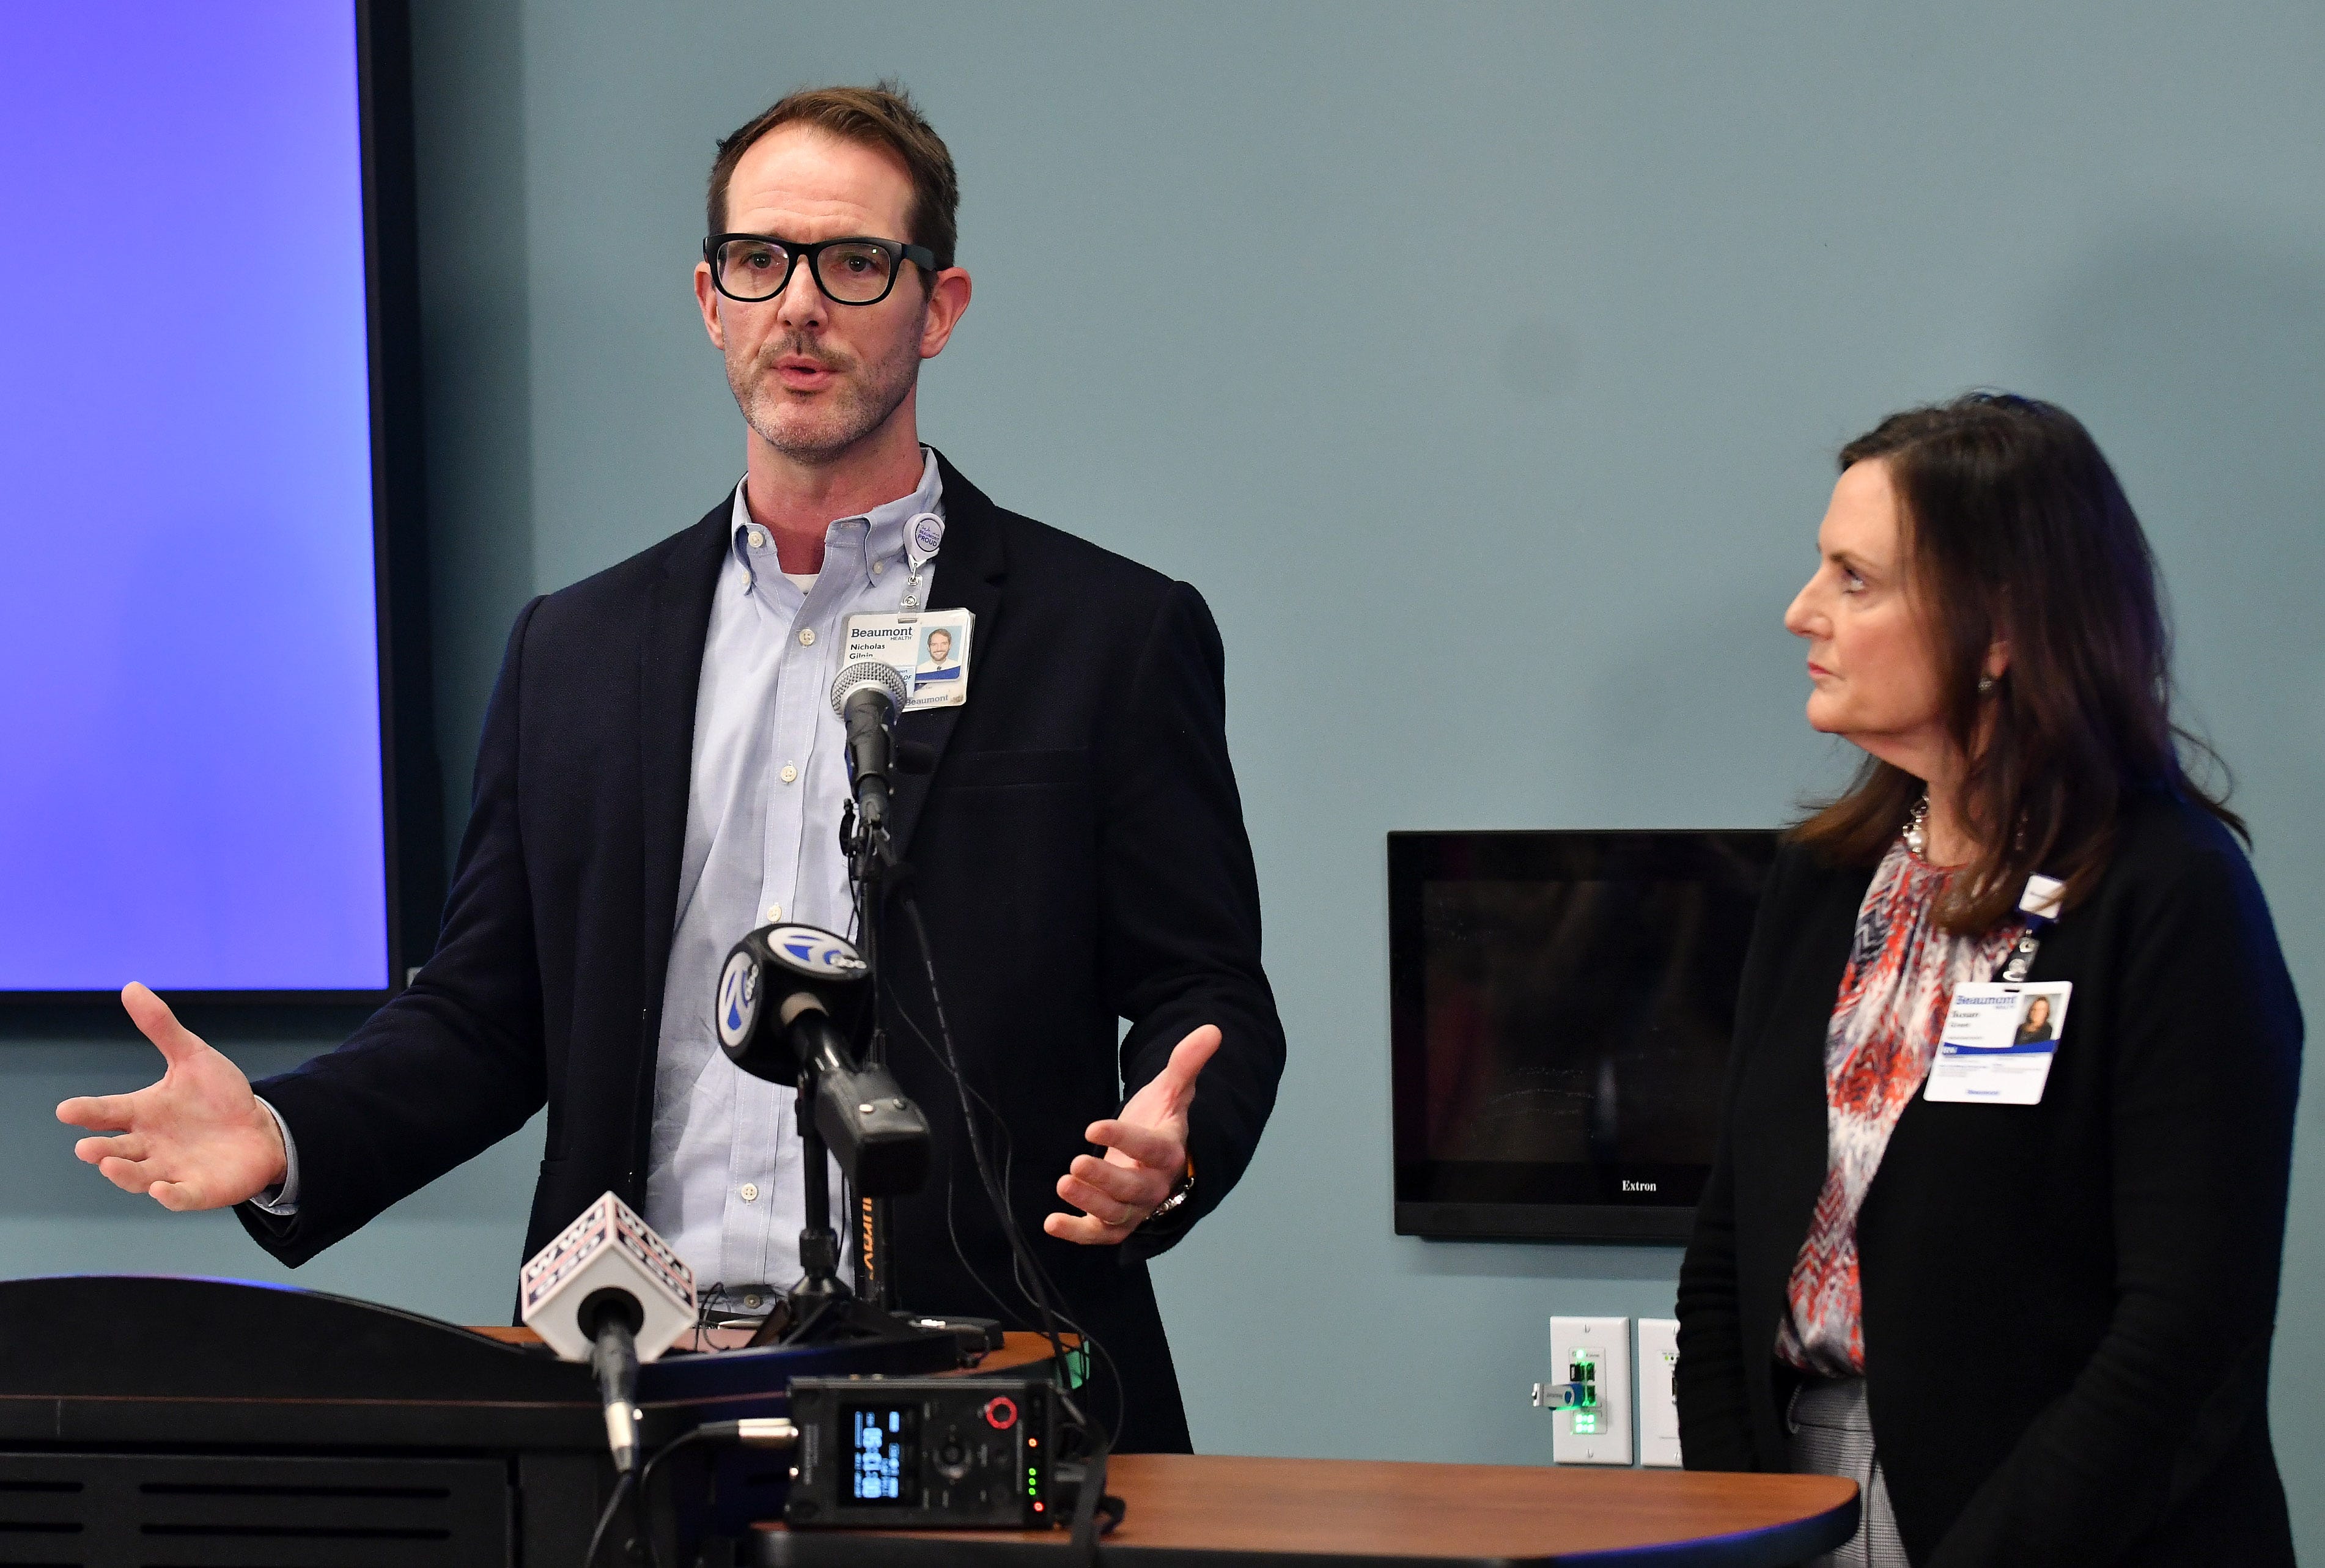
(859, 401)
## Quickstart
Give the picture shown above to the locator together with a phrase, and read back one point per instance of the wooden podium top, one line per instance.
(1189, 1509)
(1017, 1351)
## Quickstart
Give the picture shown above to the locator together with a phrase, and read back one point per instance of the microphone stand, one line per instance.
(870, 856)
(821, 1308)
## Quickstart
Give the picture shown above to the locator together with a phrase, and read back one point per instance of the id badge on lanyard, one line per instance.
(928, 648)
(2001, 1036)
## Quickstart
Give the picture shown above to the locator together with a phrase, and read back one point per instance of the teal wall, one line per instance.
(1402, 331)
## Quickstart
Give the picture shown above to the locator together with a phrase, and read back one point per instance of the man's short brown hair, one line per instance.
(884, 118)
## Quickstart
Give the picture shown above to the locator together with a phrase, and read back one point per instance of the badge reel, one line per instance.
(2001, 1035)
(923, 537)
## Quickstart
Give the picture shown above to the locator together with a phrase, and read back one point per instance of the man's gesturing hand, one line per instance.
(198, 1140)
(1145, 1152)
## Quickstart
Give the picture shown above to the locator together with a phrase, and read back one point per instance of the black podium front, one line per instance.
(181, 1423)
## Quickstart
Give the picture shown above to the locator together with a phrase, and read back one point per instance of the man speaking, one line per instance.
(661, 771)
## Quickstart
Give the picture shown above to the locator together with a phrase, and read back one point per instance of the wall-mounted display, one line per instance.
(1561, 1004)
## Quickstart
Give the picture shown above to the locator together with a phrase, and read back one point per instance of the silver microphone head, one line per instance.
(869, 676)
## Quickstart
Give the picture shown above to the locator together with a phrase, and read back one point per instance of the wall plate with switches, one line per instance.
(1658, 1404)
(1596, 1353)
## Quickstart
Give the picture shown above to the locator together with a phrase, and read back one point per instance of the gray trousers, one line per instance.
(1831, 1433)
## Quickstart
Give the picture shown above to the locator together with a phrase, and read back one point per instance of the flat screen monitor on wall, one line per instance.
(1561, 1004)
(206, 497)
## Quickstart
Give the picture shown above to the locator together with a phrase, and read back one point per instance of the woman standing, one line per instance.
(2038, 1331)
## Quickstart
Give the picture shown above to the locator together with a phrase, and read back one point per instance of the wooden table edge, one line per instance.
(1776, 1544)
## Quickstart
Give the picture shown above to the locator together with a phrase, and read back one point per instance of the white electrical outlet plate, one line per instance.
(1597, 1353)
(1658, 1405)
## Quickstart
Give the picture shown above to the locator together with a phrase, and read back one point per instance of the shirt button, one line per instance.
(750, 1192)
(751, 1301)
(774, 912)
(876, 566)
(807, 637)
(758, 539)
(790, 774)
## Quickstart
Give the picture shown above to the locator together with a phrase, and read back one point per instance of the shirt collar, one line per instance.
(858, 540)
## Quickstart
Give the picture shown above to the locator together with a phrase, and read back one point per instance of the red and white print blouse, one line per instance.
(1901, 973)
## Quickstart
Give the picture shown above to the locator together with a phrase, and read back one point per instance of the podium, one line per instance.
(176, 1423)
(193, 1423)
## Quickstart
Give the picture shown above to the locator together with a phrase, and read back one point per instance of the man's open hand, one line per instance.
(1145, 1152)
(198, 1140)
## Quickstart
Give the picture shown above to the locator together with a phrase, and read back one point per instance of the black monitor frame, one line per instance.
(411, 786)
(1433, 1198)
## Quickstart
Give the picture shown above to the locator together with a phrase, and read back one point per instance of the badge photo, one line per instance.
(939, 669)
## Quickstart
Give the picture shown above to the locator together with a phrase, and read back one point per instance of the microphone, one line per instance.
(868, 696)
(611, 1292)
(787, 998)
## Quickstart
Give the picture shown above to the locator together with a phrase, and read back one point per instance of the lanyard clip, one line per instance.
(2040, 902)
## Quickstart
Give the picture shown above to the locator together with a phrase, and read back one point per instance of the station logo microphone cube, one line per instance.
(609, 1247)
(768, 977)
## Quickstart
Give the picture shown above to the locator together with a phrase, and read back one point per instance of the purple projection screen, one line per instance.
(190, 783)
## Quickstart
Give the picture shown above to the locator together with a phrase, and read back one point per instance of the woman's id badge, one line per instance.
(1998, 1042)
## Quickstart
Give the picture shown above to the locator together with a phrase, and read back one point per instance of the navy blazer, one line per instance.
(2067, 1306)
(1079, 852)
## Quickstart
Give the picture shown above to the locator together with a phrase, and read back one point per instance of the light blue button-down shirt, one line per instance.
(770, 777)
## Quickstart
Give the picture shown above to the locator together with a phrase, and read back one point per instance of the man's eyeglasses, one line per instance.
(751, 267)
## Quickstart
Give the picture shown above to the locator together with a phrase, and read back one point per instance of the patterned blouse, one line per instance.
(1901, 973)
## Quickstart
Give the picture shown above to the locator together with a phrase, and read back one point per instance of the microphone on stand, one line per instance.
(787, 997)
(611, 1292)
(868, 695)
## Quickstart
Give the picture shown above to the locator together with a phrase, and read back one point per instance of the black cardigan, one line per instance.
(2067, 1306)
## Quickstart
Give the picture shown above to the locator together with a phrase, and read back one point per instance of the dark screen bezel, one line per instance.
(410, 794)
(1418, 857)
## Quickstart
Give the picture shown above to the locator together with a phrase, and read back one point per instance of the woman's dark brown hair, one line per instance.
(2016, 531)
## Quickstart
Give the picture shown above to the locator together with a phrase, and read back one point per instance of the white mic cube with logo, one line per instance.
(608, 1247)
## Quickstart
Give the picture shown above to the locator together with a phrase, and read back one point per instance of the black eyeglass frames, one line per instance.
(751, 267)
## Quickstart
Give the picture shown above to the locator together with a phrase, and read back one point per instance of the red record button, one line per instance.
(1001, 1414)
